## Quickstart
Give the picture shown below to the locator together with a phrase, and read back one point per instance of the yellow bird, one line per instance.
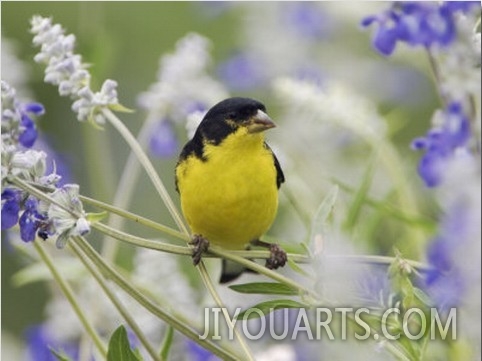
(228, 180)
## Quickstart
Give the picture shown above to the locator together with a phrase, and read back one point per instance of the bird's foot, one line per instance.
(277, 256)
(201, 245)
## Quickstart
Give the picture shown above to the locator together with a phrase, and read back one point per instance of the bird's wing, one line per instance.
(280, 177)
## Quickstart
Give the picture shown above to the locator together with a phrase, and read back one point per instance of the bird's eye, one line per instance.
(232, 115)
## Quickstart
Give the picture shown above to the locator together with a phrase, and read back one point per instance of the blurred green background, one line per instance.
(123, 41)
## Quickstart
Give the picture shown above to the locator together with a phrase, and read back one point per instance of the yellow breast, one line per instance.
(231, 198)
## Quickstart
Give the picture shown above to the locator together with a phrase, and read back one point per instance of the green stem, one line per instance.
(150, 306)
(379, 260)
(115, 301)
(418, 220)
(148, 167)
(141, 242)
(167, 343)
(136, 218)
(262, 270)
(186, 251)
(69, 295)
(236, 256)
(437, 76)
(252, 254)
(209, 285)
(39, 194)
(127, 183)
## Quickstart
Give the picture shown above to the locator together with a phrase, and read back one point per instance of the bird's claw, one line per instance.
(277, 257)
(201, 245)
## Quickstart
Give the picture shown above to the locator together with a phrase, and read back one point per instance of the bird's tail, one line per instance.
(231, 270)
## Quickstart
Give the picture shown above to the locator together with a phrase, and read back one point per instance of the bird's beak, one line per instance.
(260, 122)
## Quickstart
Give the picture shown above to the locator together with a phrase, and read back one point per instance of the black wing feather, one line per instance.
(280, 177)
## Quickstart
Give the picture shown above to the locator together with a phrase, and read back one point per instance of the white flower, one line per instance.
(90, 104)
(476, 41)
(66, 70)
(183, 81)
(277, 353)
(31, 163)
(68, 217)
(460, 64)
(193, 121)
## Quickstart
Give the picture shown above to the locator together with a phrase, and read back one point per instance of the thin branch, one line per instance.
(148, 167)
(115, 301)
(149, 305)
(69, 295)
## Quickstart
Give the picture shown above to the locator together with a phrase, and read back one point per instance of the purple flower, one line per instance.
(441, 144)
(446, 289)
(309, 73)
(18, 125)
(34, 108)
(28, 129)
(242, 72)
(374, 287)
(10, 208)
(463, 6)
(197, 353)
(194, 106)
(40, 343)
(30, 220)
(163, 142)
(415, 23)
(306, 19)
(426, 24)
(446, 282)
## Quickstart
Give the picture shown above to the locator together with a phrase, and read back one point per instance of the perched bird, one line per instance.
(228, 180)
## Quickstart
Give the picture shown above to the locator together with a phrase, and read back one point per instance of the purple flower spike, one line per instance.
(163, 142)
(10, 208)
(441, 144)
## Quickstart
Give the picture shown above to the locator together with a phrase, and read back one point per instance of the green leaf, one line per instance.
(400, 272)
(322, 213)
(360, 197)
(387, 207)
(265, 308)
(70, 269)
(119, 348)
(422, 296)
(59, 355)
(294, 266)
(91, 120)
(96, 217)
(167, 343)
(267, 288)
(120, 108)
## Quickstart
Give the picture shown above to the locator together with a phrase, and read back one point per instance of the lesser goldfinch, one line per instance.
(228, 180)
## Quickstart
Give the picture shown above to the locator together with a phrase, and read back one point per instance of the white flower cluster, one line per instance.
(460, 66)
(16, 160)
(338, 128)
(334, 103)
(66, 70)
(183, 82)
(68, 216)
(10, 118)
(64, 219)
